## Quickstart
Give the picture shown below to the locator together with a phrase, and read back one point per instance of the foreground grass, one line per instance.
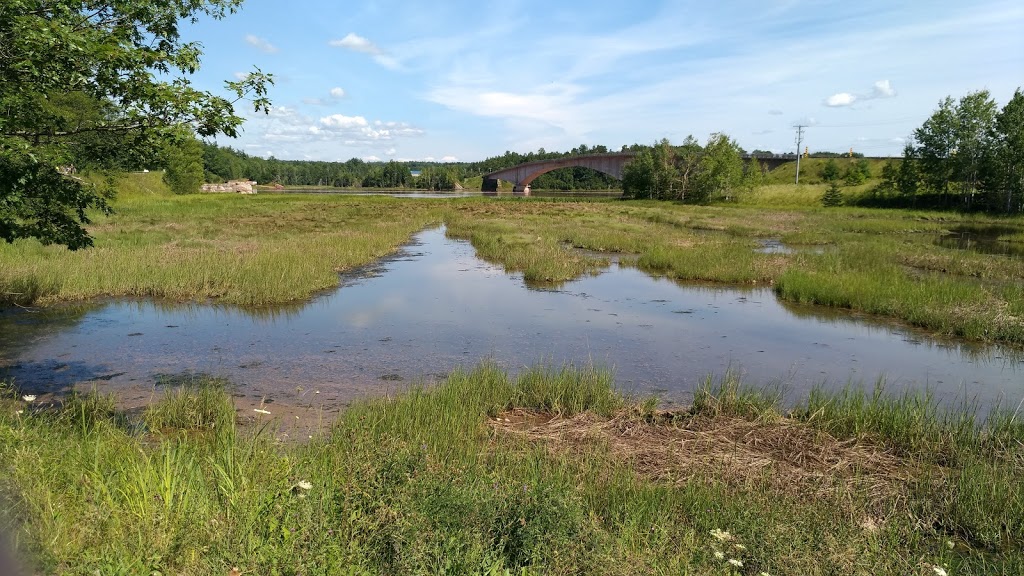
(548, 473)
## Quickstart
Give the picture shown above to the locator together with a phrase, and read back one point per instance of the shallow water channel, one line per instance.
(435, 305)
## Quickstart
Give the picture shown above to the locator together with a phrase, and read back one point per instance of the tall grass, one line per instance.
(241, 250)
(437, 481)
(198, 403)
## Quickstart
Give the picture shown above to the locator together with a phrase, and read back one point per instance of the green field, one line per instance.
(552, 472)
(268, 249)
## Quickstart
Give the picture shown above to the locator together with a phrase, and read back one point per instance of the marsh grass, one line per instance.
(268, 250)
(199, 403)
(249, 251)
(549, 472)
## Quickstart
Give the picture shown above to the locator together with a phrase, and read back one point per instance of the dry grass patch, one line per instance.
(678, 447)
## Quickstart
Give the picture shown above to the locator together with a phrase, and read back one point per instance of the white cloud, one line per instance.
(449, 159)
(336, 93)
(286, 127)
(553, 105)
(357, 43)
(371, 158)
(342, 122)
(260, 43)
(880, 89)
(840, 99)
(241, 75)
(775, 112)
(390, 152)
(883, 89)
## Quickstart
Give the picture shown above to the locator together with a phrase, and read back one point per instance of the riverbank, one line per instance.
(549, 472)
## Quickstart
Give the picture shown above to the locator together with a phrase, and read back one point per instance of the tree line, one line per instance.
(219, 164)
(222, 163)
(968, 155)
(690, 172)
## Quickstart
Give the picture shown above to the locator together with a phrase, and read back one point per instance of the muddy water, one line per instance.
(435, 306)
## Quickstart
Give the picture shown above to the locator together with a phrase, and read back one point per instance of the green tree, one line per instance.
(652, 173)
(1003, 176)
(687, 163)
(78, 78)
(184, 165)
(975, 118)
(952, 143)
(833, 196)
(890, 178)
(908, 179)
(720, 170)
(753, 177)
(830, 170)
(936, 143)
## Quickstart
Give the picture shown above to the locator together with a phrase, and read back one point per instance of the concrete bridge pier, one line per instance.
(520, 190)
(489, 186)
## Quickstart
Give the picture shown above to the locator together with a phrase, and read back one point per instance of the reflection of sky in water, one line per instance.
(436, 306)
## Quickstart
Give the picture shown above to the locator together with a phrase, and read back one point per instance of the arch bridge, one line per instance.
(520, 176)
(611, 164)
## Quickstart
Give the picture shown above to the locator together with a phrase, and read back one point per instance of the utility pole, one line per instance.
(799, 141)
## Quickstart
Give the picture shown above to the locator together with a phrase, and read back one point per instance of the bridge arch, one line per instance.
(522, 175)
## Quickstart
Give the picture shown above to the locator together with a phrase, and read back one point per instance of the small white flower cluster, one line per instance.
(724, 537)
(303, 486)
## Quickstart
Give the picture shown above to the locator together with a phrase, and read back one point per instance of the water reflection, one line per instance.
(983, 239)
(435, 306)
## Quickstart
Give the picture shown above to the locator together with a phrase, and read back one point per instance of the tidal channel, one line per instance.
(434, 306)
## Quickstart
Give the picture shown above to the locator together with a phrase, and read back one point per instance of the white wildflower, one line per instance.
(305, 484)
(764, 574)
(719, 555)
(740, 547)
(736, 562)
(261, 411)
(939, 571)
(19, 412)
(721, 535)
(29, 398)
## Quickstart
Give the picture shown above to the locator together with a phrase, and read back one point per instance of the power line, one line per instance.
(863, 124)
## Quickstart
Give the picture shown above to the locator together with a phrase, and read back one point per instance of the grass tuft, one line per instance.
(197, 404)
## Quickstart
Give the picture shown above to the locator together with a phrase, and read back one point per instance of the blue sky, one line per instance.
(463, 80)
